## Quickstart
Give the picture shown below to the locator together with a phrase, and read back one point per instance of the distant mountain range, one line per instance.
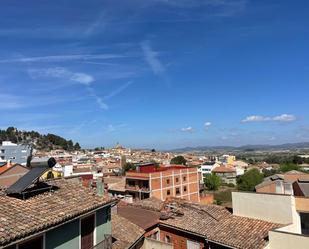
(260, 147)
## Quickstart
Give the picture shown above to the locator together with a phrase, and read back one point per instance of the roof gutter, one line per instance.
(137, 241)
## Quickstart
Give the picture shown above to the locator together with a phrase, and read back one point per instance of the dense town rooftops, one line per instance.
(22, 218)
(212, 222)
(288, 177)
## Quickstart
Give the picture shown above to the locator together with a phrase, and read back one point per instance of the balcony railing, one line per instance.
(137, 188)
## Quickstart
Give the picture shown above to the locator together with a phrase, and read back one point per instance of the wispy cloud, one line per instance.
(222, 7)
(152, 59)
(63, 58)
(279, 118)
(118, 90)
(9, 101)
(97, 98)
(78, 77)
(96, 26)
(114, 128)
(187, 129)
(61, 73)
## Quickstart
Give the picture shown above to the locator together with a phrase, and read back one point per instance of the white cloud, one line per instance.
(207, 125)
(151, 57)
(255, 118)
(187, 129)
(279, 118)
(82, 78)
(284, 118)
(61, 73)
(62, 58)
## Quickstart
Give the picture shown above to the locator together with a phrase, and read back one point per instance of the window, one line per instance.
(193, 245)
(155, 235)
(131, 183)
(184, 178)
(2, 151)
(177, 191)
(167, 239)
(168, 192)
(167, 181)
(184, 188)
(304, 219)
(177, 180)
(36, 243)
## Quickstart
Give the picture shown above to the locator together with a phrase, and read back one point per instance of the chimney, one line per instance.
(99, 185)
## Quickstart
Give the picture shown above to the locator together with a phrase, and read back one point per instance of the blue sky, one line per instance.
(157, 73)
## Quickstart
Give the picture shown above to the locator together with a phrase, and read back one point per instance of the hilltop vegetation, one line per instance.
(39, 141)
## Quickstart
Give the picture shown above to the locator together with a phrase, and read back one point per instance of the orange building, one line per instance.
(163, 182)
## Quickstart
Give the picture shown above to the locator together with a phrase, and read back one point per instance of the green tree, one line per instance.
(128, 166)
(285, 167)
(77, 146)
(179, 160)
(249, 180)
(270, 172)
(212, 181)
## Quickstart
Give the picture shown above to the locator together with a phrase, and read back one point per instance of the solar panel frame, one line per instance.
(25, 181)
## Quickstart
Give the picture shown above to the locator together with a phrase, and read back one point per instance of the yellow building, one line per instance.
(51, 174)
(55, 172)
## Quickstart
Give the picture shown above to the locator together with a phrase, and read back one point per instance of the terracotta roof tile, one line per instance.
(120, 228)
(217, 224)
(141, 217)
(21, 218)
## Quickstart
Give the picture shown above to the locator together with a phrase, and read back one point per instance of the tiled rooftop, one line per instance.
(215, 223)
(21, 218)
(125, 232)
(141, 217)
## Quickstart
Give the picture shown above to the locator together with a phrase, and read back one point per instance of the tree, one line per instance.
(285, 167)
(212, 181)
(77, 146)
(153, 150)
(249, 180)
(128, 166)
(269, 172)
(179, 160)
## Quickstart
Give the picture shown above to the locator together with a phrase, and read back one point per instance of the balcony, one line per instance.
(137, 188)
